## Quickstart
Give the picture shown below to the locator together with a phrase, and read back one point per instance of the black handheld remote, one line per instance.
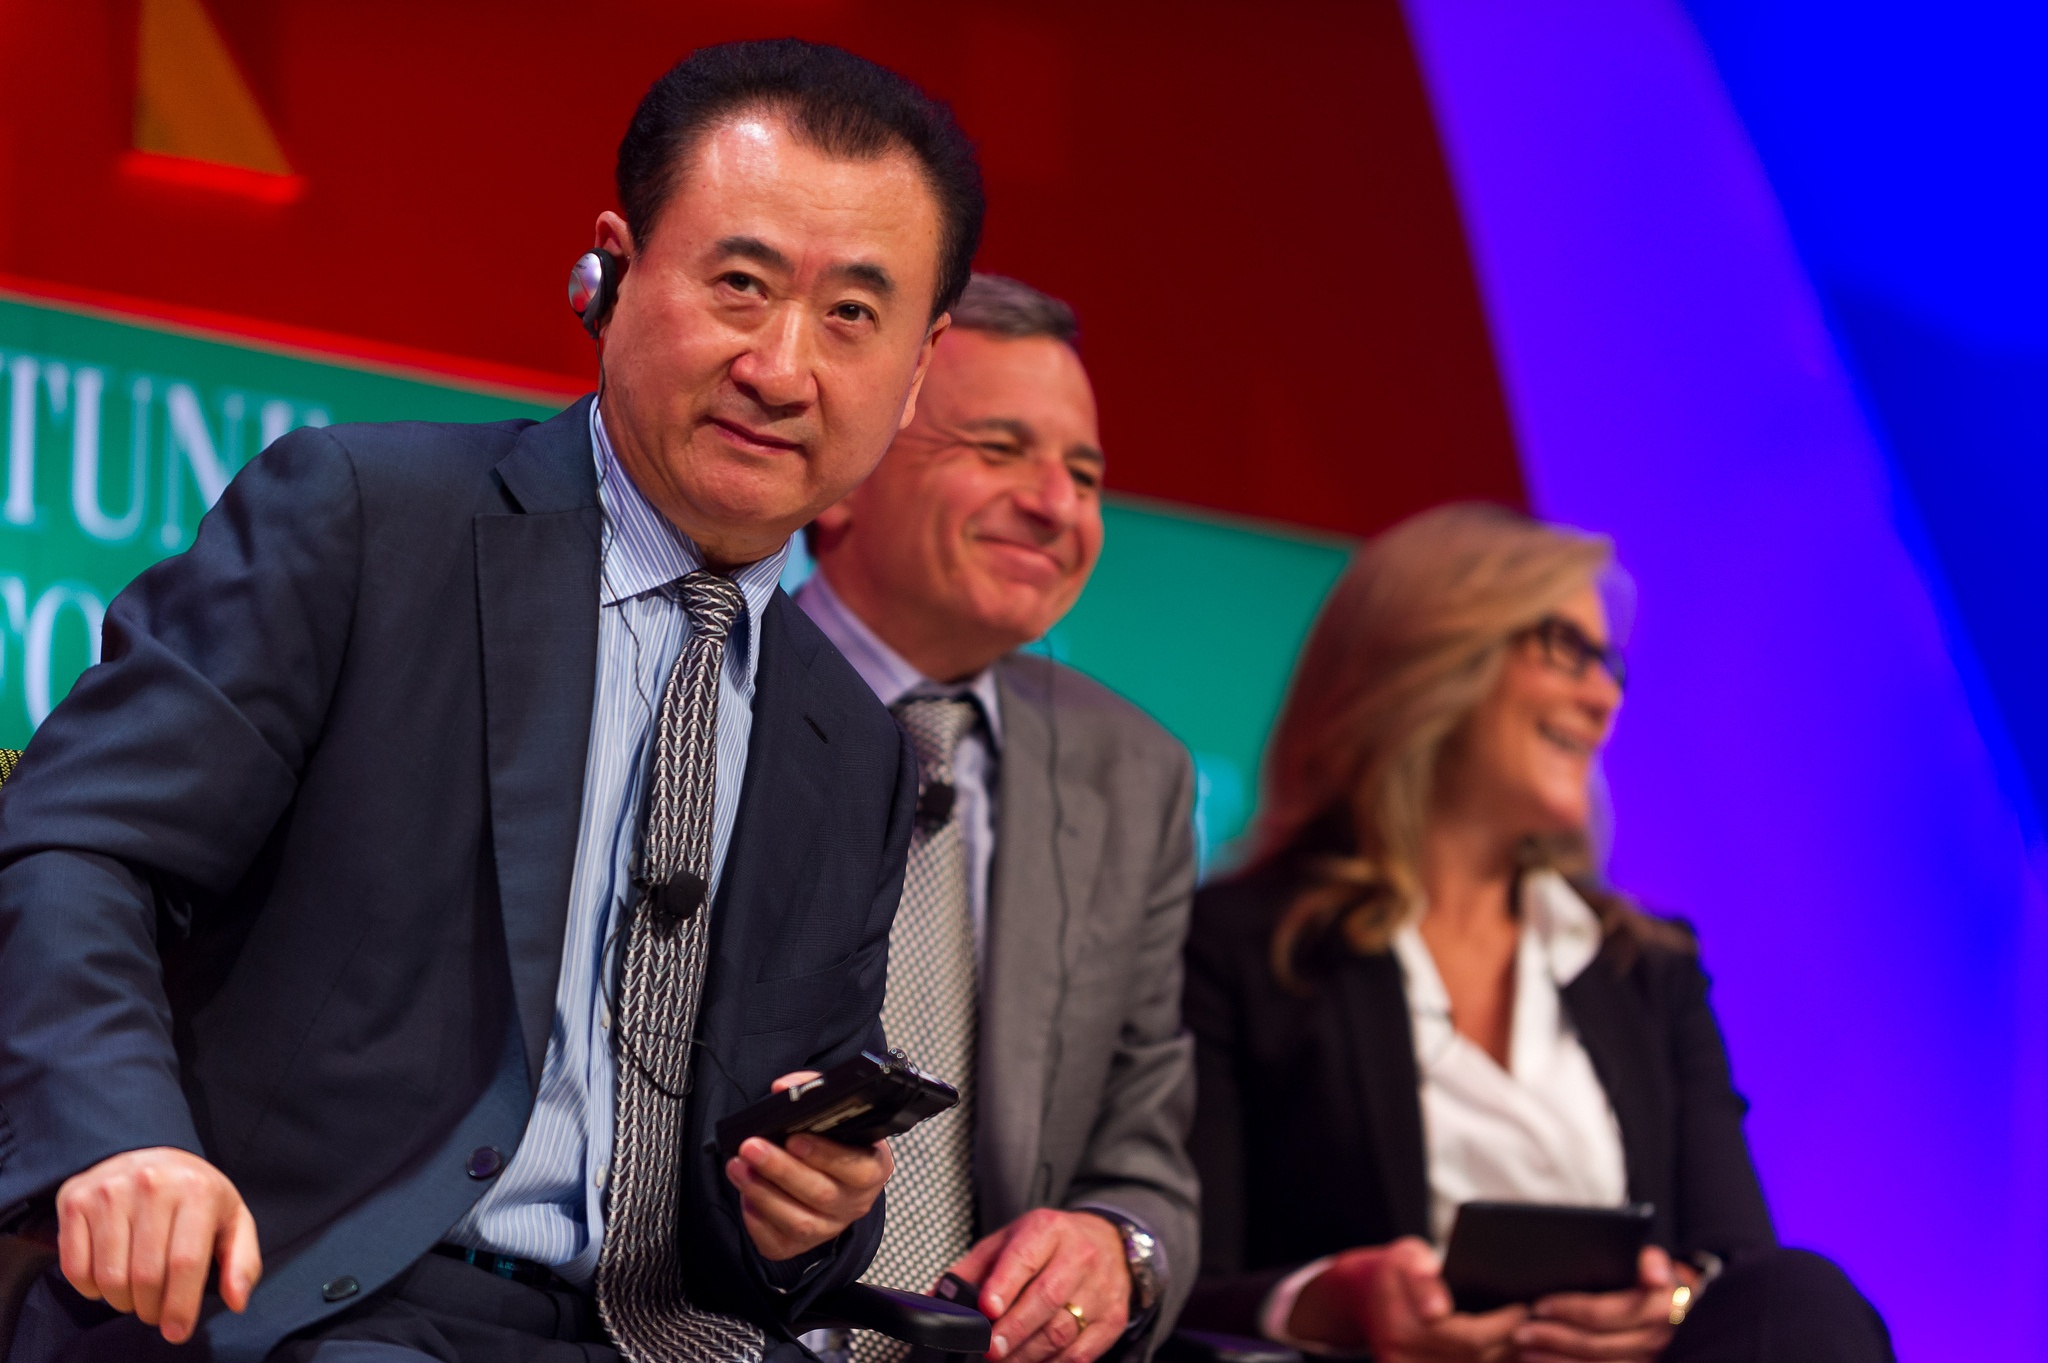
(866, 1099)
(954, 1288)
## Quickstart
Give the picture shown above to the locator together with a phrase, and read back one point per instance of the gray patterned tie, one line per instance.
(930, 1013)
(640, 1289)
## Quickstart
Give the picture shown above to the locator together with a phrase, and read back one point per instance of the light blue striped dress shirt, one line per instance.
(549, 1203)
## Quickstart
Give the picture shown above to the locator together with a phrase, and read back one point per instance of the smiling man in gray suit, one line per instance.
(1035, 957)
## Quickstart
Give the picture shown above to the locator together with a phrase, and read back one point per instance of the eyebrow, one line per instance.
(754, 249)
(761, 253)
(868, 273)
(1021, 432)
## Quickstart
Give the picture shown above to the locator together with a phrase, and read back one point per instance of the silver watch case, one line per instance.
(1141, 1253)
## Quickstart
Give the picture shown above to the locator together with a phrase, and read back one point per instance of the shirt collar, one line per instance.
(644, 553)
(885, 671)
(1563, 927)
(1564, 923)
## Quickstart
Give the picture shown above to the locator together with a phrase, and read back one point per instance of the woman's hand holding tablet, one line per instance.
(1391, 1299)
(1522, 1283)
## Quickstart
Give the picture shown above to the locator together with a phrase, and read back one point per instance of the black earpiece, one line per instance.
(594, 287)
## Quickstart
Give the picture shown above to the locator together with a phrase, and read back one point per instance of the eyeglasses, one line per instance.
(1571, 650)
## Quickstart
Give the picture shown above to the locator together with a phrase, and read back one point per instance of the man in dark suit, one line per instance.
(1037, 949)
(467, 822)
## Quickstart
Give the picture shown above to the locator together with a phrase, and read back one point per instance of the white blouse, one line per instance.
(1540, 1130)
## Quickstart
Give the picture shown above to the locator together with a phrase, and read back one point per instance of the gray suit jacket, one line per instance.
(1086, 1078)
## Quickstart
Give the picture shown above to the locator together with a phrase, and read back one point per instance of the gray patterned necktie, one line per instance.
(930, 1013)
(640, 1289)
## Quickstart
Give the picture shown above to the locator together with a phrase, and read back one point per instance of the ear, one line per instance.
(924, 365)
(613, 235)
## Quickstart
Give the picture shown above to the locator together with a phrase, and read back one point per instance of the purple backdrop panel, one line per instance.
(1797, 770)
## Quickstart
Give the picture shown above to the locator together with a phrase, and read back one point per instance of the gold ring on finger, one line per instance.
(1681, 1302)
(1081, 1319)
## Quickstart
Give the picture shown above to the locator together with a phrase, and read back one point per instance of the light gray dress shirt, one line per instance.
(549, 1203)
(974, 760)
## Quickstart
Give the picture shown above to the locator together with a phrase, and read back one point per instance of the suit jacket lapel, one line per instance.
(1374, 1005)
(1042, 883)
(781, 805)
(537, 592)
(1615, 1036)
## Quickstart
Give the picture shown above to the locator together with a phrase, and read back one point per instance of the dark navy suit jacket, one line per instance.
(283, 882)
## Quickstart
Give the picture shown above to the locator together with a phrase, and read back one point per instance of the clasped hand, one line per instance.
(1036, 1267)
(141, 1230)
(1634, 1324)
(1393, 1298)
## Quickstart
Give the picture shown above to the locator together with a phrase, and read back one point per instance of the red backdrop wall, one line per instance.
(1245, 203)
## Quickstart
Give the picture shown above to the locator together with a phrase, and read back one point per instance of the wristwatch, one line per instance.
(1141, 1256)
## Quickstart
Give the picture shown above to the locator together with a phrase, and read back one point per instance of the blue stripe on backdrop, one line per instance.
(1799, 769)
(1909, 146)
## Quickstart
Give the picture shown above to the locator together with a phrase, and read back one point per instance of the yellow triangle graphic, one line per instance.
(190, 98)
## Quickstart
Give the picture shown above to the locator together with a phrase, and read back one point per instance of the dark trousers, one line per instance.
(1784, 1306)
(440, 1309)
(450, 1312)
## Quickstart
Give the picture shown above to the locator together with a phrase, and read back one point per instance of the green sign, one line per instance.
(119, 434)
(1198, 619)
(117, 438)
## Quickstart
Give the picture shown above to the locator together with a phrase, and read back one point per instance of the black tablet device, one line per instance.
(1506, 1252)
(864, 1100)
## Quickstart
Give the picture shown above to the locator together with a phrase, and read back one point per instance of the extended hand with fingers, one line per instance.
(1055, 1283)
(798, 1196)
(141, 1230)
(1632, 1326)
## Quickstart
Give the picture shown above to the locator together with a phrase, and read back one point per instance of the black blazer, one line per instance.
(283, 882)
(1308, 1127)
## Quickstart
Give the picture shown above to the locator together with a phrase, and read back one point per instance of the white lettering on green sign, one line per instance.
(118, 438)
(129, 470)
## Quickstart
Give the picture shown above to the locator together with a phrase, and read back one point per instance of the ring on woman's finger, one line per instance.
(1681, 1303)
(1080, 1317)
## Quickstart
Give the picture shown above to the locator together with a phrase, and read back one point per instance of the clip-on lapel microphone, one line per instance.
(673, 902)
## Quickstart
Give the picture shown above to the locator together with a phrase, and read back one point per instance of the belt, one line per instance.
(506, 1266)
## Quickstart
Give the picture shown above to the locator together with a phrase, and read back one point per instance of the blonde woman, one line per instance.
(1418, 996)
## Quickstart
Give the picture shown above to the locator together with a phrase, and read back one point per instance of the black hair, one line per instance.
(843, 105)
